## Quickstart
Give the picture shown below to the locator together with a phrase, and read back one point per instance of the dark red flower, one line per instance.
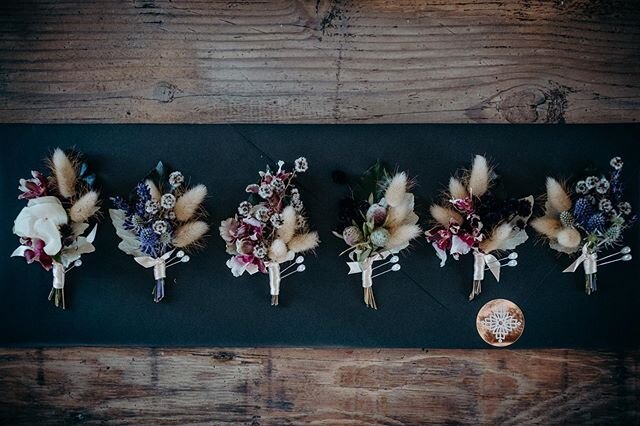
(33, 188)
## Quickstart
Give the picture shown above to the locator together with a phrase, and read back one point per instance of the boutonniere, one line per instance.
(160, 222)
(377, 221)
(472, 218)
(587, 220)
(270, 229)
(53, 226)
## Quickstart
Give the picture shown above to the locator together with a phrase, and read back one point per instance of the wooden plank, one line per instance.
(332, 61)
(328, 386)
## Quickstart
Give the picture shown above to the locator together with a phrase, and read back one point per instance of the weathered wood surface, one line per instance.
(336, 61)
(332, 386)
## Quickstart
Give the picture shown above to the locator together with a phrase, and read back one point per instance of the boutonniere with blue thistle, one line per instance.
(476, 217)
(270, 230)
(587, 220)
(53, 226)
(377, 221)
(161, 222)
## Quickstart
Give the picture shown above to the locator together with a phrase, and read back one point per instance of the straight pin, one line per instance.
(625, 258)
(300, 268)
(394, 259)
(298, 261)
(394, 268)
(624, 250)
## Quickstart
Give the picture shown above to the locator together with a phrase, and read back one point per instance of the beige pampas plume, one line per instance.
(443, 215)
(189, 234)
(548, 226)
(288, 228)
(402, 235)
(278, 250)
(84, 208)
(396, 190)
(499, 235)
(557, 197)
(479, 177)
(65, 173)
(457, 189)
(304, 242)
(189, 202)
(153, 189)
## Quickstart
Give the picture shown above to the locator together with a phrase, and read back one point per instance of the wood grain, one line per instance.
(336, 61)
(332, 386)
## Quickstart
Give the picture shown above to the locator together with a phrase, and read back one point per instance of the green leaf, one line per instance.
(368, 183)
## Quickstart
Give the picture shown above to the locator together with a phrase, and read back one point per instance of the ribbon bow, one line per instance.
(159, 264)
(365, 267)
(480, 260)
(588, 261)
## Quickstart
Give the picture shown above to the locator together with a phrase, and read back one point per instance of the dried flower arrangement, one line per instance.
(58, 212)
(587, 220)
(270, 228)
(162, 218)
(472, 219)
(377, 220)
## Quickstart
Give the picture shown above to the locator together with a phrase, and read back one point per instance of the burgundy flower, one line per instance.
(35, 253)
(465, 205)
(33, 188)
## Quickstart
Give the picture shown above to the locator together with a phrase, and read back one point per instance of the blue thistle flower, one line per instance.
(582, 211)
(596, 222)
(148, 241)
(143, 192)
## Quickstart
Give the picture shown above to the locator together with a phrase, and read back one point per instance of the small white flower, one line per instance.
(171, 215)
(602, 186)
(262, 214)
(616, 163)
(625, 208)
(259, 251)
(151, 207)
(581, 187)
(265, 191)
(301, 165)
(176, 179)
(605, 205)
(159, 227)
(276, 220)
(277, 184)
(297, 204)
(168, 201)
(301, 222)
(591, 182)
(244, 208)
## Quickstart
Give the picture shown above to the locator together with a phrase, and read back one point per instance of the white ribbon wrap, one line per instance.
(274, 278)
(588, 261)
(58, 275)
(366, 268)
(480, 260)
(159, 264)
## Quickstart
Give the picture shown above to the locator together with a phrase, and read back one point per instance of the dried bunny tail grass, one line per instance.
(443, 215)
(396, 189)
(557, 196)
(190, 234)
(278, 250)
(288, 228)
(153, 189)
(569, 237)
(479, 176)
(547, 226)
(402, 235)
(457, 189)
(65, 173)
(498, 236)
(84, 208)
(304, 242)
(397, 215)
(188, 204)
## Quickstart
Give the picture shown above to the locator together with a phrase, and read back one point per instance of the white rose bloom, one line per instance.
(41, 219)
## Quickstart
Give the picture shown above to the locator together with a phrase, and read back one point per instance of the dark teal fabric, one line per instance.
(109, 297)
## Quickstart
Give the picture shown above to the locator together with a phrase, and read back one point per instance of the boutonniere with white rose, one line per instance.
(53, 226)
(160, 222)
(270, 230)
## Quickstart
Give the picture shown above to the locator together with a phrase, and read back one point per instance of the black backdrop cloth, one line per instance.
(109, 298)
